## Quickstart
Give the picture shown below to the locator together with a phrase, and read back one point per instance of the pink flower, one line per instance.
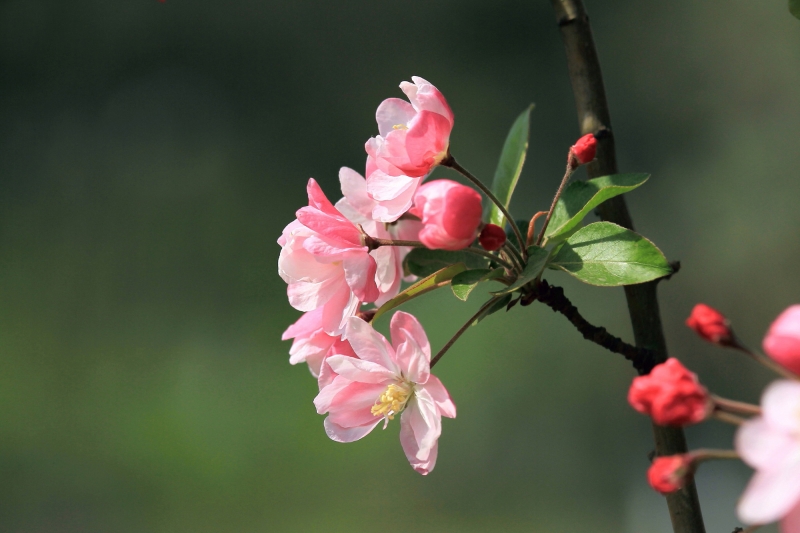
(671, 395)
(325, 263)
(584, 149)
(450, 213)
(311, 343)
(710, 324)
(782, 342)
(358, 207)
(668, 474)
(413, 139)
(385, 380)
(771, 444)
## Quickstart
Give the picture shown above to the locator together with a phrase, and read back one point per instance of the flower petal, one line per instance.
(791, 522)
(440, 397)
(760, 444)
(781, 405)
(392, 112)
(307, 324)
(359, 271)
(360, 370)
(425, 421)
(370, 345)
(354, 188)
(404, 326)
(339, 434)
(771, 494)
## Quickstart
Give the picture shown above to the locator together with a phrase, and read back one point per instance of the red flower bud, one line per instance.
(492, 237)
(671, 395)
(584, 149)
(670, 473)
(711, 325)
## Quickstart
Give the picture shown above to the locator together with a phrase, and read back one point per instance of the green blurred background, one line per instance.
(150, 155)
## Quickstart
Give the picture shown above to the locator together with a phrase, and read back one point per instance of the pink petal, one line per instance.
(425, 421)
(781, 405)
(440, 397)
(426, 143)
(424, 96)
(352, 406)
(360, 370)
(307, 323)
(763, 446)
(359, 271)
(354, 189)
(410, 448)
(391, 112)
(326, 395)
(413, 351)
(782, 342)
(307, 296)
(370, 345)
(334, 228)
(383, 187)
(317, 198)
(311, 350)
(339, 434)
(791, 522)
(771, 494)
(338, 309)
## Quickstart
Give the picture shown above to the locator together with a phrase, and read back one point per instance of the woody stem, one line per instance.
(463, 328)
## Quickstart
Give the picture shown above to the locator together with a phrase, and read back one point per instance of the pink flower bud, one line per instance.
(450, 214)
(711, 325)
(584, 149)
(670, 473)
(492, 237)
(671, 395)
(782, 342)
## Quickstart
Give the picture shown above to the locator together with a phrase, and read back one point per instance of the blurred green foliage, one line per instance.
(150, 155)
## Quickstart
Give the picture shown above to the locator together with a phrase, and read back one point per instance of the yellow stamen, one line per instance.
(399, 127)
(393, 400)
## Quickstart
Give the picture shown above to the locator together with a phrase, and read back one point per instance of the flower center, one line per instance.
(399, 127)
(393, 400)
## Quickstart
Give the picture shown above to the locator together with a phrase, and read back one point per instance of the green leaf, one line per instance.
(794, 8)
(537, 260)
(608, 255)
(522, 226)
(580, 197)
(463, 283)
(510, 166)
(498, 305)
(432, 282)
(423, 262)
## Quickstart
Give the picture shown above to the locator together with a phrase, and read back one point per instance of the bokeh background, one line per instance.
(151, 153)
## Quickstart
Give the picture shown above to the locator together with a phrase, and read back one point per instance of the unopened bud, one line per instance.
(670, 473)
(782, 342)
(492, 237)
(711, 325)
(584, 149)
(671, 395)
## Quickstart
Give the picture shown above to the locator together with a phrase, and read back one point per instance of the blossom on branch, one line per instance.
(450, 214)
(771, 444)
(385, 380)
(711, 325)
(671, 395)
(782, 342)
(670, 473)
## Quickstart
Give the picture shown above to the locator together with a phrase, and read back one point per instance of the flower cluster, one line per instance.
(769, 441)
(338, 258)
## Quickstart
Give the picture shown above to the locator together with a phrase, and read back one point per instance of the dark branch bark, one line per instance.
(554, 298)
(594, 117)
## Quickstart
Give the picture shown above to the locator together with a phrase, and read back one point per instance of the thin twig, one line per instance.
(532, 227)
(728, 418)
(564, 180)
(451, 162)
(462, 329)
(733, 406)
(555, 299)
(758, 357)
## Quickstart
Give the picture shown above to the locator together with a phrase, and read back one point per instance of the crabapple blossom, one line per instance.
(710, 324)
(325, 262)
(414, 138)
(770, 443)
(450, 214)
(671, 395)
(668, 474)
(584, 149)
(385, 380)
(311, 343)
(782, 342)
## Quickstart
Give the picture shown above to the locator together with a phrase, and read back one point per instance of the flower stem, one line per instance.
(728, 418)
(763, 359)
(451, 162)
(733, 406)
(372, 243)
(707, 454)
(464, 328)
(564, 180)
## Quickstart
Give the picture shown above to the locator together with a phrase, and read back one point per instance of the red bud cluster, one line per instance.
(671, 395)
(711, 325)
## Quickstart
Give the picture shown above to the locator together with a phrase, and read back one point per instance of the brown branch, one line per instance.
(555, 299)
(594, 117)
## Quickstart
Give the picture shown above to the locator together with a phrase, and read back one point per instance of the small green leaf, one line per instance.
(501, 302)
(580, 197)
(432, 282)
(537, 260)
(608, 255)
(424, 262)
(794, 8)
(463, 283)
(510, 166)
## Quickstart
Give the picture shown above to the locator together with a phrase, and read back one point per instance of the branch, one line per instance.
(554, 298)
(462, 329)
(594, 117)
